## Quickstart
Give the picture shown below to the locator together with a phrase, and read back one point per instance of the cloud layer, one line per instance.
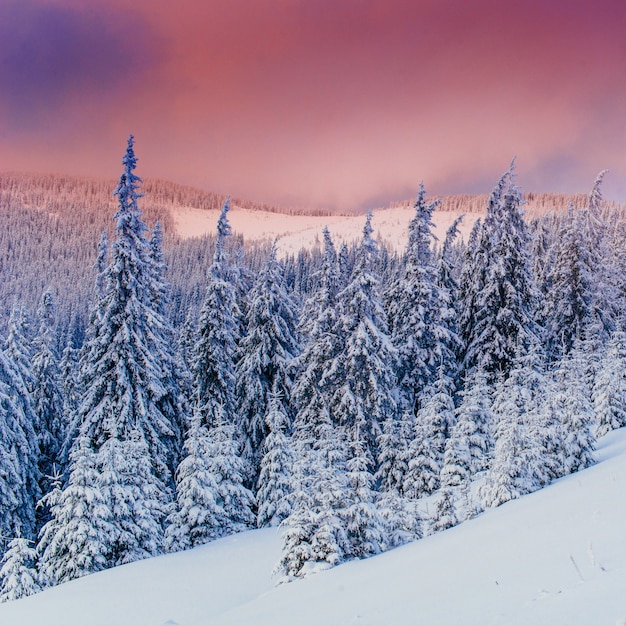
(340, 104)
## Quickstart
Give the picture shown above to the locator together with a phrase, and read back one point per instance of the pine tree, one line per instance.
(266, 355)
(276, 465)
(75, 542)
(469, 448)
(445, 515)
(218, 331)
(18, 576)
(227, 466)
(434, 421)
(419, 310)
(499, 296)
(362, 521)
(136, 497)
(567, 300)
(197, 517)
(364, 400)
(315, 380)
(18, 344)
(395, 452)
(19, 474)
(609, 392)
(127, 371)
(573, 406)
(47, 399)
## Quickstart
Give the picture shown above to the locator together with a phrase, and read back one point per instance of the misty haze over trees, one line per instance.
(157, 394)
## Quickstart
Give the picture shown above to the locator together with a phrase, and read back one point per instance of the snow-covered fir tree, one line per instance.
(365, 398)
(213, 364)
(130, 409)
(572, 402)
(18, 343)
(470, 445)
(274, 486)
(394, 446)
(197, 515)
(434, 420)
(364, 525)
(566, 302)
(225, 463)
(18, 573)
(126, 373)
(76, 540)
(19, 474)
(444, 515)
(46, 396)
(498, 294)
(419, 310)
(266, 356)
(315, 380)
(609, 391)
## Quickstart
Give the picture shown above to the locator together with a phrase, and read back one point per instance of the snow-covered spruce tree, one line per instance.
(470, 445)
(129, 406)
(434, 420)
(18, 346)
(394, 446)
(266, 354)
(362, 521)
(227, 466)
(315, 381)
(609, 391)
(18, 574)
(571, 400)
(274, 486)
(521, 463)
(315, 536)
(498, 296)
(197, 517)
(417, 307)
(76, 540)
(598, 263)
(46, 396)
(444, 515)
(135, 495)
(213, 365)
(566, 303)
(447, 282)
(365, 397)
(175, 377)
(19, 474)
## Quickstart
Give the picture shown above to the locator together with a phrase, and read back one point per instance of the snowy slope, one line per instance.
(554, 557)
(304, 231)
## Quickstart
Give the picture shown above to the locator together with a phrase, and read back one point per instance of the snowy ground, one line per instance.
(303, 231)
(554, 557)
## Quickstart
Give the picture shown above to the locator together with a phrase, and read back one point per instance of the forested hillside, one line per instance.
(158, 394)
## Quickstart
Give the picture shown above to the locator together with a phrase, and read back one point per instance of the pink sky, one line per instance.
(339, 103)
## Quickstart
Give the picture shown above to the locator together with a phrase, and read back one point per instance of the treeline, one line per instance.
(333, 394)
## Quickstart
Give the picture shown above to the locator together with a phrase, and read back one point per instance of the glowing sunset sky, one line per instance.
(319, 102)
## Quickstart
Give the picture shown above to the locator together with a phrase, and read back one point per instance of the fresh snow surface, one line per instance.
(305, 231)
(557, 556)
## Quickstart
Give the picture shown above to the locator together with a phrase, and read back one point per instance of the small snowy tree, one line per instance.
(198, 516)
(274, 485)
(445, 515)
(75, 542)
(18, 575)
(609, 392)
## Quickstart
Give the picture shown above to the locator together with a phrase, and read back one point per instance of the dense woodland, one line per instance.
(162, 394)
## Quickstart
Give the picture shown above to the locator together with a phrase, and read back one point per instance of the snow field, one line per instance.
(557, 556)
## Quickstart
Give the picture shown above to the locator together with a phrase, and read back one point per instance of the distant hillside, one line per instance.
(50, 226)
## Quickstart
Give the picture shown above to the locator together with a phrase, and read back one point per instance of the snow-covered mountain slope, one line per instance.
(557, 556)
(304, 231)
